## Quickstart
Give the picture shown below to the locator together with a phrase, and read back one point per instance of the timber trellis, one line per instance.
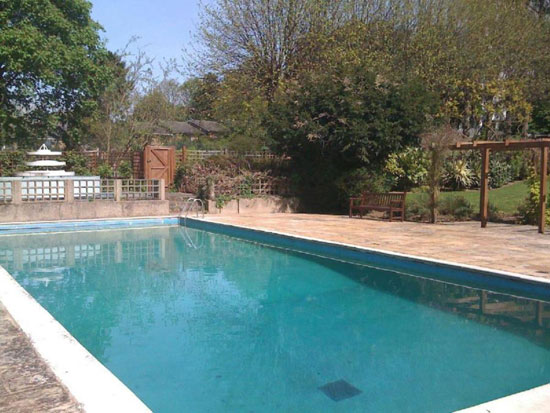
(134, 158)
(485, 147)
(192, 155)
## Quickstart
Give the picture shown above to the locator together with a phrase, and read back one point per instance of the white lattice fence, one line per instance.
(90, 189)
(140, 189)
(42, 190)
(6, 194)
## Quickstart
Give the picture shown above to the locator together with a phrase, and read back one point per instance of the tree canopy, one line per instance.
(487, 77)
(52, 69)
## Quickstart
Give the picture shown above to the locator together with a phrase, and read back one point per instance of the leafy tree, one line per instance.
(113, 125)
(541, 7)
(408, 167)
(200, 95)
(242, 107)
(438, 142)
(255, 36)
(156, 106)
(52, 69)
(484, 75)
(541, 117)
(332, 123)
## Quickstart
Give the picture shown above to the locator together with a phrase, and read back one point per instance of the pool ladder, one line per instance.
(191, 204)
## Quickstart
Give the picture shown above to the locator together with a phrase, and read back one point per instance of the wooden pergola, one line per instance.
(485, 147)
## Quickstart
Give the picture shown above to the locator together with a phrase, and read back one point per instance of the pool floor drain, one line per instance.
(339, 390)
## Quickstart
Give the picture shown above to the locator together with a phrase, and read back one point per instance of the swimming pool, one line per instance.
(202, 321)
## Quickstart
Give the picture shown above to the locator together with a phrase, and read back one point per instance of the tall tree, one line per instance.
(113, 125)
(334, 122)
(52, 69)
(485, 75)
(200, 94)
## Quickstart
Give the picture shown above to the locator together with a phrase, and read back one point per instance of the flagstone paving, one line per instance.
(26, 383)
(514, 248)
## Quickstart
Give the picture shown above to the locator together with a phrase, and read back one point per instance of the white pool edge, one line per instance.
(535, 400)
(93, 386)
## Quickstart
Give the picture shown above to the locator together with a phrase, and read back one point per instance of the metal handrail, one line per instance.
(188, 207)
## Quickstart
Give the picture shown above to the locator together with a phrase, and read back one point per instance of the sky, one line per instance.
(164, 27)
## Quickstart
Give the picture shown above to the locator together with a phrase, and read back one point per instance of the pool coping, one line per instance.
(485, 271)
(18, 228)
(93, 386)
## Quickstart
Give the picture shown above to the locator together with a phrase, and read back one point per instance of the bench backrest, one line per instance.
(381, 199)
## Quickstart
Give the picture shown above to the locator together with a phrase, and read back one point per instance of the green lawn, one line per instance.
(506, 199)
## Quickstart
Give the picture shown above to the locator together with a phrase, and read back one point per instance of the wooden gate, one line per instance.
(159, 162)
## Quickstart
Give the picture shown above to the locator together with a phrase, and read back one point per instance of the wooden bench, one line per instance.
(394, 202)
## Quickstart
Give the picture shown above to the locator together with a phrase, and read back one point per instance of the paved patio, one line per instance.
(26, 383)
(514, 248)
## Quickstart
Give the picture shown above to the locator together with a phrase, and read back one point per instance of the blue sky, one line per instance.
(164, 26)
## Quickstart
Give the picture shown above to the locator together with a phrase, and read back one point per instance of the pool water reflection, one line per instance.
(196, 321)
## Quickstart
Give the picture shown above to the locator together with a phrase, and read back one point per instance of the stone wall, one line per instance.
(63, 210)
(263, 205)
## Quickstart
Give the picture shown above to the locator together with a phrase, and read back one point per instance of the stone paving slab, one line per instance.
(26, 383)
(514, 248)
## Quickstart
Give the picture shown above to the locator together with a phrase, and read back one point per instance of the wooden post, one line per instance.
(183, 154)
(434, 190)
(484, 198)
(543, 188)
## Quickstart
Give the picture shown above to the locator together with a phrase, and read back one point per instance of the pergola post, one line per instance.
(542, 143)
(484, 198)
(543, 187)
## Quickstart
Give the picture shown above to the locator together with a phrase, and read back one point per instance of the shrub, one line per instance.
(125, 170)
(222, 200)
(500, 172)
(494, 213)
(12, 162)
(520, 164)
(179, 176)
(409, 168)
(458, 175)
(417, 208)
(528, 211)
(457, 207)
(245, 187)
(334, 122)
(76, 162)
(105, 171)
(503, 167)
(361, 180)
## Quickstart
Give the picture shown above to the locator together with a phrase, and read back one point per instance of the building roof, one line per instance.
(151, 128)
(208, 126)
(190, 128)
(180, 128)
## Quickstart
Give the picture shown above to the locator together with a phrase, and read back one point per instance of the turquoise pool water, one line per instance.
(194, 321)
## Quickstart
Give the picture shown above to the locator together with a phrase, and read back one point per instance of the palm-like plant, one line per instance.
(458, 175)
